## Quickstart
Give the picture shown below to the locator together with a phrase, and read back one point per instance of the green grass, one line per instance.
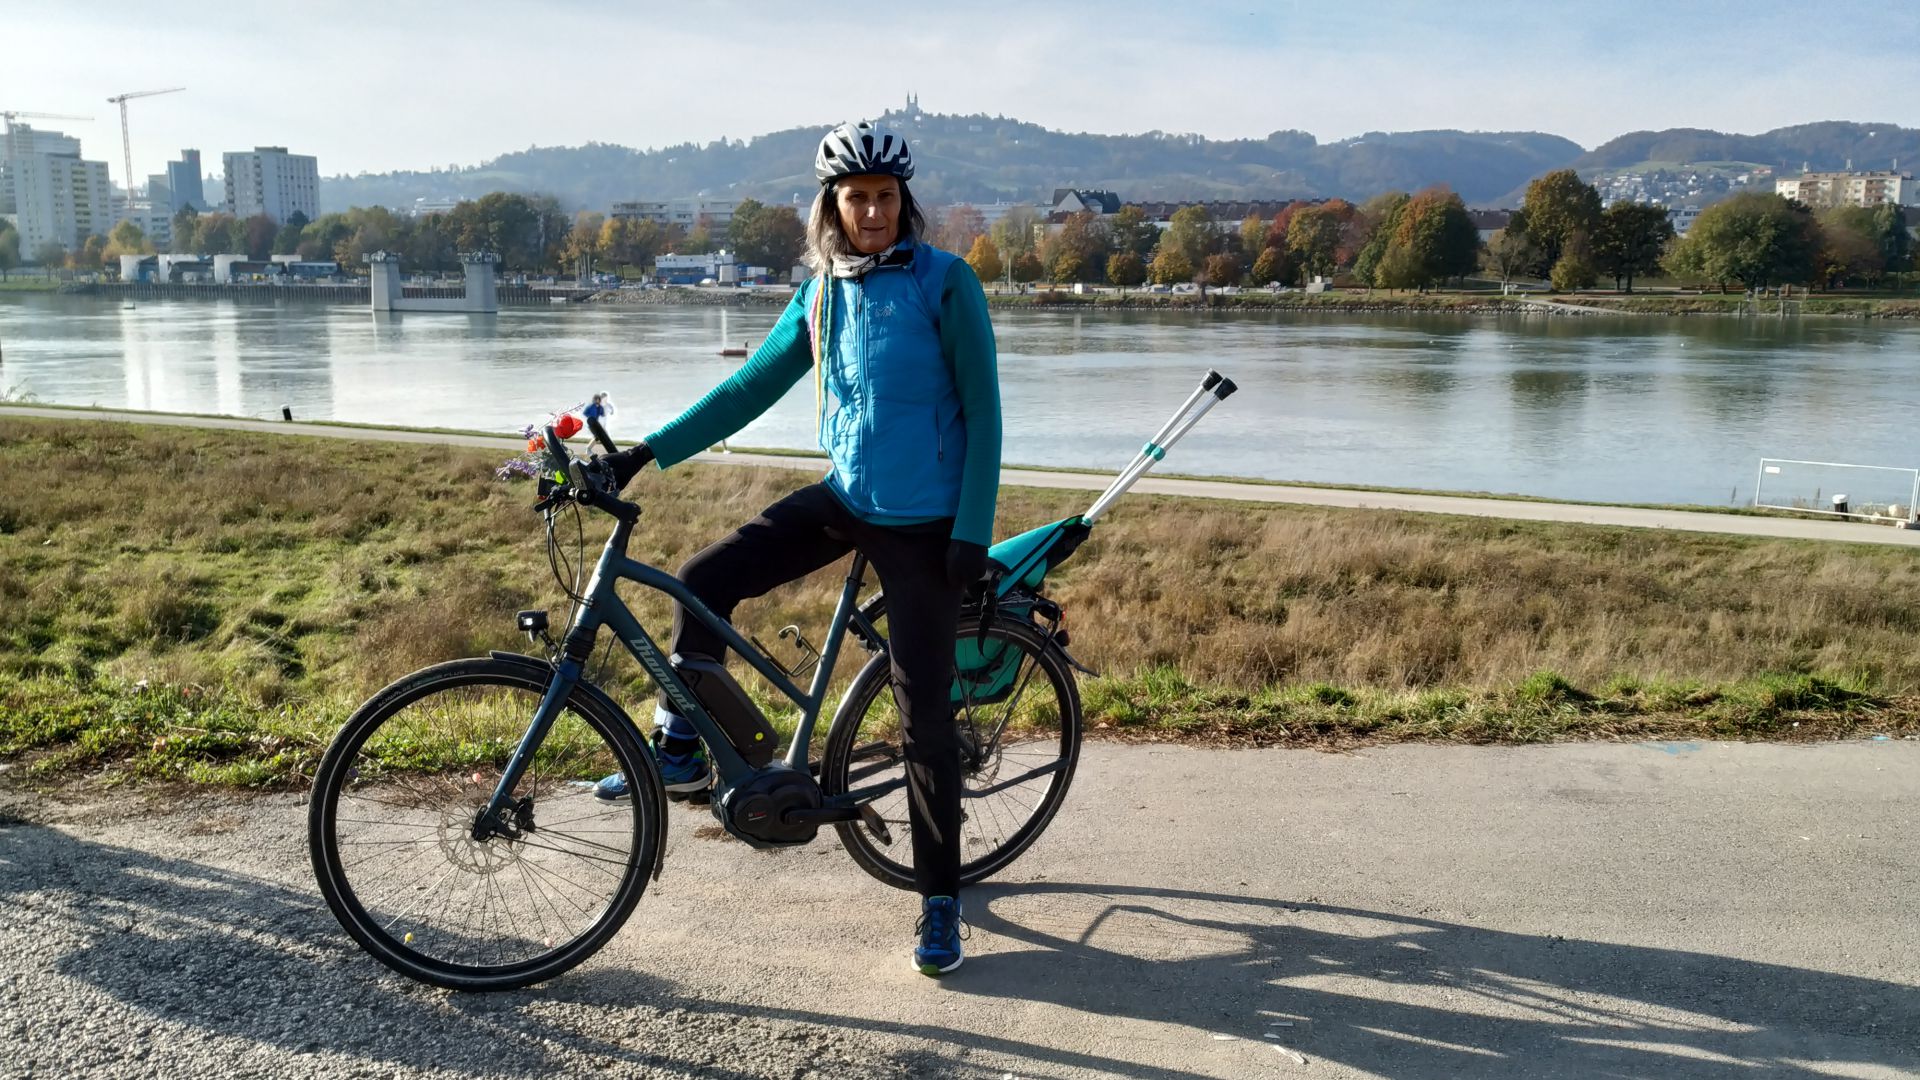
(25, 281)
(205, 606)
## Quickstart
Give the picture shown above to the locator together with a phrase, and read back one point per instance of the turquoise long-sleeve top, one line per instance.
(856, 430)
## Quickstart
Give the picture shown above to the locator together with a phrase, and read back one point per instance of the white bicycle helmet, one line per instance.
(862, 149)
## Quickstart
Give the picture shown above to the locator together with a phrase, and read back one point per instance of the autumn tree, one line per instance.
(1191, 231)
(287, 240)
(1221, 268)
(1130, 232)
(186, 230)
(1849, 248)
(1755, 238)
(985, 258)
(1630, 240)
(582, 245)
(1170, 266)
(9, 248)
(1314, 236)
(959, 227)
(1557, 208)
(91, 254)
(1081, 238)
(1013, 234)
(1382, 213)
(630, 241)
(1510, 253)
(1126, 269)
(256, 237)
(1253, 236)
(1270, 268)
(50, 254)
(1027, 268)
(126, 238)
(770, 236)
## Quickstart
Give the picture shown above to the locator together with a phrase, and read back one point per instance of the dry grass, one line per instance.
(299, 574)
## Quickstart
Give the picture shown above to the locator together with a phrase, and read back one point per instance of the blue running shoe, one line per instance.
(683, 775)
(939, 930)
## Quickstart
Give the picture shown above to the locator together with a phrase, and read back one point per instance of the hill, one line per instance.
(1830, 144)
(983, 158)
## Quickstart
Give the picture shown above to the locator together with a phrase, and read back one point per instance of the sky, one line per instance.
(400, 85)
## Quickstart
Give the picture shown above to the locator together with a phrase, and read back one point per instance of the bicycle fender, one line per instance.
(615, 713)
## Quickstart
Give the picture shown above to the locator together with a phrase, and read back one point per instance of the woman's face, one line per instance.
(869, 211)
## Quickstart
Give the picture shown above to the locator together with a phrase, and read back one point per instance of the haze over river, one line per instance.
(1612, 409)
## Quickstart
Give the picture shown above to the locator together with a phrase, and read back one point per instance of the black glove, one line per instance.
(966, 561)
(627, 464)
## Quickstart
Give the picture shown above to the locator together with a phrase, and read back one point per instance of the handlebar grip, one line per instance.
(1225, 389)
(556, 454)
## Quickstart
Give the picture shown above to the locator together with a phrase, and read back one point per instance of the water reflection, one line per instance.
(1603, 408)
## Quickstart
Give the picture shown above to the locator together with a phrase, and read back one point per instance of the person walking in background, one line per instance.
(600, 407)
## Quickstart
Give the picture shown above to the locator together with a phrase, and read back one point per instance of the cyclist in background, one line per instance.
(896, 337)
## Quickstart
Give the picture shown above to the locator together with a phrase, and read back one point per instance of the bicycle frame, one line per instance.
(603, 607)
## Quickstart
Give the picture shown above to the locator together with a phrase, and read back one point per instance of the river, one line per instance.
(1617, 409)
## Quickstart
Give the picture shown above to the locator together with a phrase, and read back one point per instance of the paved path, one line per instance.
(1683, 520)
(1696, 912)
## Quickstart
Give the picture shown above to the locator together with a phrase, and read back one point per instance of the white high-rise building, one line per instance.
(268, 180)
(55, 195)
(19, 140)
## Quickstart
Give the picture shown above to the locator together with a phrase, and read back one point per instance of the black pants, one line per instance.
(808, 530)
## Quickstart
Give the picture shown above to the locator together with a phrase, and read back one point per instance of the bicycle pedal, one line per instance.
(875, 825)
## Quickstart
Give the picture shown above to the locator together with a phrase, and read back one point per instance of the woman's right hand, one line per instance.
(626, 464)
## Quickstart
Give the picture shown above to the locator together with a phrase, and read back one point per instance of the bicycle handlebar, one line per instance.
(585, 486)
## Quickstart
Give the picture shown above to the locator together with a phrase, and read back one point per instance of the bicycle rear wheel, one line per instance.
(1020, 728)
(392, 816)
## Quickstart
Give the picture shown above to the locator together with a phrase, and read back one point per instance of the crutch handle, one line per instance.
(1212, 380)
(1225, 388)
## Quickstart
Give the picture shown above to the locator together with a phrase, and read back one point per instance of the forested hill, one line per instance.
(983, 158)
(1827, 145)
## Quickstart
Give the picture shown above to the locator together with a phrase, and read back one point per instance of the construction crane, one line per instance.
(126, 141)
(9, 114)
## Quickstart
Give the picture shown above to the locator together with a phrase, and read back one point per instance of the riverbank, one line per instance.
(207, 606)
(1346, 302)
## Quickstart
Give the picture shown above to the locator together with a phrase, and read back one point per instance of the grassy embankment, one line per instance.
(208, 606)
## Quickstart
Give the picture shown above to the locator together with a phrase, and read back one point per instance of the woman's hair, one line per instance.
(826, 239)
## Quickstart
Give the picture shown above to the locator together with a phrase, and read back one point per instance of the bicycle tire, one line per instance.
(837, 761)
(343, 768)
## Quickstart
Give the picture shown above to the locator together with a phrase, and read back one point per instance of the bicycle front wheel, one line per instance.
(391, 828)
(1018, 710)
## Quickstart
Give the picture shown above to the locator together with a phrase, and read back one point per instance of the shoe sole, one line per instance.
(935, 969)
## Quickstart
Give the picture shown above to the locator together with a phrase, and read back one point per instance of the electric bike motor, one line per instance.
(755, 809)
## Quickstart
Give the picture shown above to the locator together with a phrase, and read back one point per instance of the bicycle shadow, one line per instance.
(1413, 997)
(234, 964)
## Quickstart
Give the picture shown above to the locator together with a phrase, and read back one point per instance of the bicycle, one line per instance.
(491, 761)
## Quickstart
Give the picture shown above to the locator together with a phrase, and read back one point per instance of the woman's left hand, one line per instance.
(966, 561)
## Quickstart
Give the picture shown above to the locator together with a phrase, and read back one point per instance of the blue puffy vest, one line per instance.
(892, 427)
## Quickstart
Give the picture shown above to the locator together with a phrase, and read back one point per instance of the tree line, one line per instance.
(1561, 234)
(528, 233)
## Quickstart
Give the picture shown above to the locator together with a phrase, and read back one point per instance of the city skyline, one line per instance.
(1224, 71)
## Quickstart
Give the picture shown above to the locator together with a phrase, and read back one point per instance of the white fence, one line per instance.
(1837, 489)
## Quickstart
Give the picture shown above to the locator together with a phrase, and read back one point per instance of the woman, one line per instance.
(907, 403)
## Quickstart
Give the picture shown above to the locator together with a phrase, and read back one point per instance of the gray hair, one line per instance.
(827, 240)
